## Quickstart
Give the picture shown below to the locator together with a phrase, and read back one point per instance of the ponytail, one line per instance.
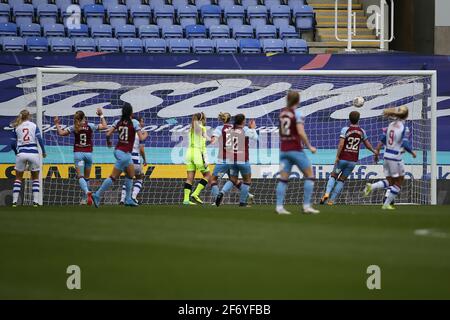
(127, 112)
(225, 117)
(23, 116)
(78, 120)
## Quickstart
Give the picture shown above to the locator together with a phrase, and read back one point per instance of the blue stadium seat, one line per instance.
(62, 5)
(280, 15)
(266, 32)
(59, 44)
(36, 44)
(101, 31)
(83, 3)
(13, 3)
(172, 31)
(125, 31)
(234, 15)
(141, 15)
(164, 15)
(244, 31)
(117, 15)
(257, 15)
(273, 46)
(148, 31)
(210, 15)
(195, 31)
(225, 3)
(84, 44)
(249, 46)
(12, 44)
(304, 18)
(288, 32)
(202, 46)
(23, 13)
(201, 3)
(270, 3)
(47, 13)
(219, 31)
(54, 30)
(187, 15)
(30, 30)
(155, 4)
(8, 29)
(179, 45)
(179, 3)
(107, 44)
(226, 46)
(248, 3)
(94, 14)
(295, 3)
(131, 45)
(132, 3)
(37, 3)
(296, 46)
(81, 31)
(4, 12)
(155, 45)
(110, 3)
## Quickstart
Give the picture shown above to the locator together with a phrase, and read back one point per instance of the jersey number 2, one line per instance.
(285, 126)
(26, 134)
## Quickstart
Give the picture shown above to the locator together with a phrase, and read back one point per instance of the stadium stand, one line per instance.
(156, 19)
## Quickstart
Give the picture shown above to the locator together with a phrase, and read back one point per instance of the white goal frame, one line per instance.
(344, 73)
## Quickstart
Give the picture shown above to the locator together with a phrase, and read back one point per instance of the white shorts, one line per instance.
(137, 168)
(393, 169)
(32, 159)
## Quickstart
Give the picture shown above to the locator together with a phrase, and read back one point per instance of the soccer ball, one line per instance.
(358, 102)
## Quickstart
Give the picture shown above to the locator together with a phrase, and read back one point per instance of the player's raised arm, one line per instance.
(250, 131)
(109, 133)
(59, 130)
(103, 124)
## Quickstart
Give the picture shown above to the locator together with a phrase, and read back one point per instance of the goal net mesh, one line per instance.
(167, 102)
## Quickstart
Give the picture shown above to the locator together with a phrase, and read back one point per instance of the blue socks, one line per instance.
(337, 189)
(308, 186)
(83, 185)
(330, 184)
(227, 186)
(214, 191)
(281, 192)
(244, 193)
(129, 186)
(105, 186)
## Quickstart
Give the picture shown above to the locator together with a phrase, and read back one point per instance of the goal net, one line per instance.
(166, 99)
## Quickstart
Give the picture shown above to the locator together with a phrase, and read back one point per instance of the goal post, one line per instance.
(166, 98)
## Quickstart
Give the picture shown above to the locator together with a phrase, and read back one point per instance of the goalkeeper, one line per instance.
(196, 159)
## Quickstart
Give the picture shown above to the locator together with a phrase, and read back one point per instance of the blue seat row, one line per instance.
(149, 31)
(94, 14)
(153, 45)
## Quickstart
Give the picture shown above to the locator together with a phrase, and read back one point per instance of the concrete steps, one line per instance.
(325, 35)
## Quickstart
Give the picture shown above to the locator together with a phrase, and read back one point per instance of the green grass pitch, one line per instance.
(175, 252)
